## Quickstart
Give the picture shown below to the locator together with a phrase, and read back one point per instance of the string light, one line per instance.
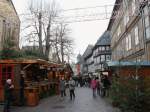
(75, 14)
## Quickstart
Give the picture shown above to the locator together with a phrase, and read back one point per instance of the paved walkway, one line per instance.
(84, 102)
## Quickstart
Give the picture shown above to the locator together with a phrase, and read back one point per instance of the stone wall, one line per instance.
(9, 22)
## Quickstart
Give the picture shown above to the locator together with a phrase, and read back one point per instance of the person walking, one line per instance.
(62, 86)
(72, 88)
(22, 88)
(106, 85)
(8, 95)
(89, 82)
(93, 86)
(98, 86)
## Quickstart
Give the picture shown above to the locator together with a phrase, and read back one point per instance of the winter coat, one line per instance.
(106, 82)
(7, 92)
(93, 84)
(62, 85)
(71, 85)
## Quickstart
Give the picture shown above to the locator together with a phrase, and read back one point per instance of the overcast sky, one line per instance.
(84, 33)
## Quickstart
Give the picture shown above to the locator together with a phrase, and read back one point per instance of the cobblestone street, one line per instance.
(84, 102)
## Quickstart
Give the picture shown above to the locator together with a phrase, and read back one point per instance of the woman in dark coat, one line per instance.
(8, 95)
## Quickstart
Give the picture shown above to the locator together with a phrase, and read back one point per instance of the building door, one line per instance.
(6, 72)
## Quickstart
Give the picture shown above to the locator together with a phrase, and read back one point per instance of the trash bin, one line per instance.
(32, 97)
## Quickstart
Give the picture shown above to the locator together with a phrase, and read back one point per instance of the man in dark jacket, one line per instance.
(106, 85)
(7, 95)
(22, 89)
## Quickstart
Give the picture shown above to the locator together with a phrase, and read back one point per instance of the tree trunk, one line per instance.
(40, 33)
(57, 54)
(47, 50)
(62, 50)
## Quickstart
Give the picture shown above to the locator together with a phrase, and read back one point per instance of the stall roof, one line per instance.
(22, 61)
(127, 63)
(30, 61)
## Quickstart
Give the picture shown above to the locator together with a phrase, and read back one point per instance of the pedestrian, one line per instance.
(72, 88)
(89, 81)
(93, 86)
(80, 81)
(106, 85)
(22, 85)
(8, 94)
(98, 86)
(62, 87)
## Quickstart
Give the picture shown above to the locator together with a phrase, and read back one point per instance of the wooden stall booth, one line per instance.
(127, 68)
(42, 76)
(57, 72)
(36, 81)
(9, 69)
(54, 71)
(131, 81)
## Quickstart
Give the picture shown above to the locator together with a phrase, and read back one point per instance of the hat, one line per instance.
(8, 81)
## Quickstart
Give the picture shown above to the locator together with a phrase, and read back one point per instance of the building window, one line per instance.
(126, 17)
(138, 60)
(100, 48)
(107, 48)
(147, 22)
(129, 36)
(103, 48)
(128, 42)
(94, 52)
(102, 58)
(95, 60)
(98, 60)
(108, 58)
(133, 7)
(6, 73)
(119, 31)
(102, 67)
(136, 32)
(99, 66)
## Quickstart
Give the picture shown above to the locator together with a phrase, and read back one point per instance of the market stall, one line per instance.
(39, 81)
(129, 68)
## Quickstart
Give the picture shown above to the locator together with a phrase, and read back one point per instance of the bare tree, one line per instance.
(63, 43)
(51, 35)
(52, 14)
(37, 23)
(40, 23)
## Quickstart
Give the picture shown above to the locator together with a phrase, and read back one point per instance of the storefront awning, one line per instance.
(127, 63)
